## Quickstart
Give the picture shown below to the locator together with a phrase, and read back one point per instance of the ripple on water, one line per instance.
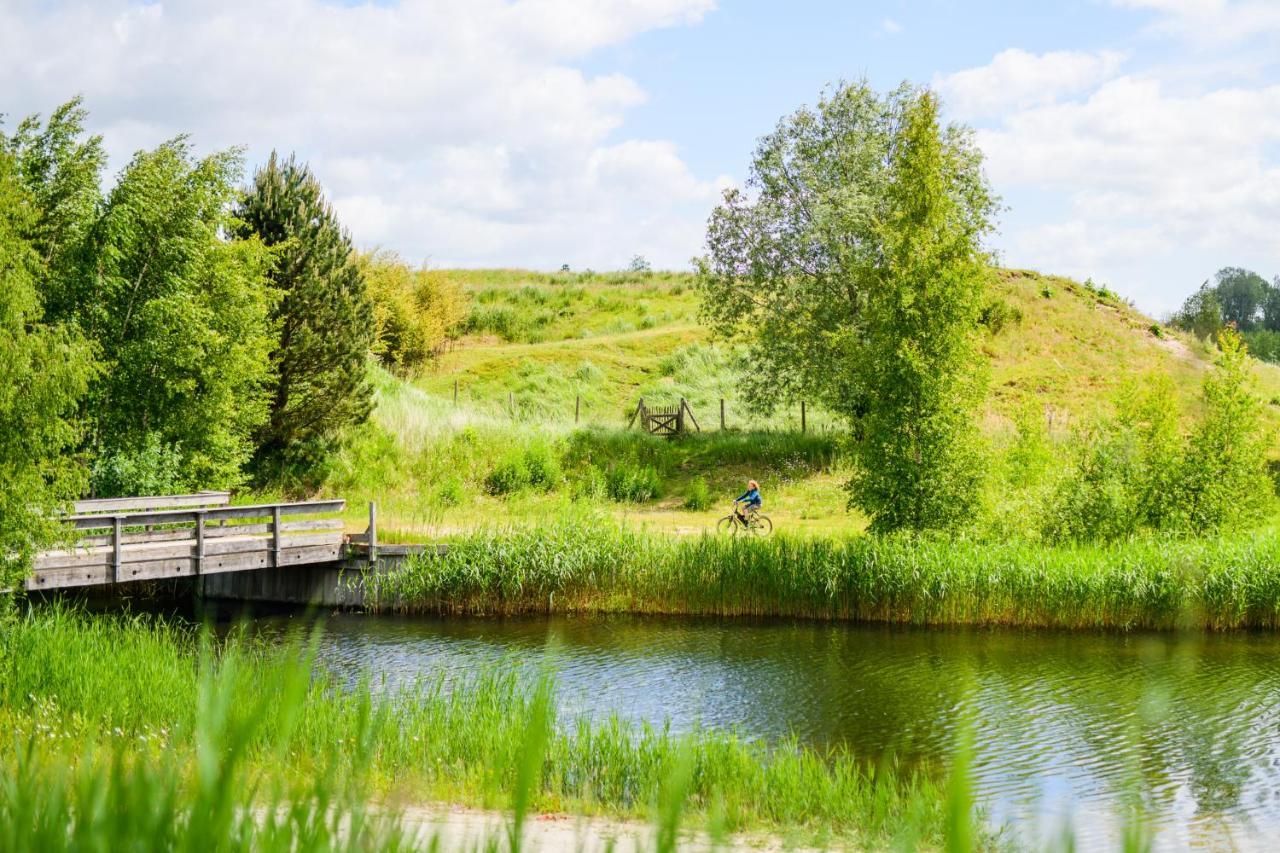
(1064, 723)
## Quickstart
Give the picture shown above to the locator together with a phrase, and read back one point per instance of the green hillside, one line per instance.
(536, 343)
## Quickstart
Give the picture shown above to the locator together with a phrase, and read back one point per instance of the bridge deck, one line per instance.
(202, 537)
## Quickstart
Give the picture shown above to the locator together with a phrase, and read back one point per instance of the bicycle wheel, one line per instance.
(761, 525)
(728, 524)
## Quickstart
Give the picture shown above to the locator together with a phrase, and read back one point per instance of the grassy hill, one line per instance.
(537, 342)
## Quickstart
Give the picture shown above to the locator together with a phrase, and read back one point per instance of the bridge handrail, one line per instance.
(90, 521)
(150, 502)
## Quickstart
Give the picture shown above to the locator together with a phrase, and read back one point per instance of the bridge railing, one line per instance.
(125, 541)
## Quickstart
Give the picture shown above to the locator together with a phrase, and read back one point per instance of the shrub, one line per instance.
(630, 483)
(1156, 330)
(155, 468)
(997, 314)
(415, 311)
(509, 475)
(698, 497)
(450, 492)
(543, 468)
(1225, 479)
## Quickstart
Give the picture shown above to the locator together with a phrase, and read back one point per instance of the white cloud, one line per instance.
(890, 27)
(1016, 78)
(1149, 179)
(1213, 21)
(460, 129)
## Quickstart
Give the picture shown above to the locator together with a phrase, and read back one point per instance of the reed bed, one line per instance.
(103, 704)
(1220, 583)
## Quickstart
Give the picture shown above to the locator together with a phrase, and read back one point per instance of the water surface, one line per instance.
(1065, 724)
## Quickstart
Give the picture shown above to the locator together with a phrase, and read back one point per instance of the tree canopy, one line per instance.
(324, 318)
(853, 263)
(44, 372)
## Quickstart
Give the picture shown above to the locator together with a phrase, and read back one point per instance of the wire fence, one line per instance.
(666, 415)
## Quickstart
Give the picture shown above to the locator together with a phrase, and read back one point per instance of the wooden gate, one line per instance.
(664, 421)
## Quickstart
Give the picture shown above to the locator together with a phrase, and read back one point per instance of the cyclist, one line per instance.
(748, 501)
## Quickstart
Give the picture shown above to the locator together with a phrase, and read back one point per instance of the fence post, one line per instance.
(577, 409)
(199, 542)
(116, 556)
(511, 403)
(373, 532)
(275, 535)
(722, 414)
(455, 392)
(803, 423)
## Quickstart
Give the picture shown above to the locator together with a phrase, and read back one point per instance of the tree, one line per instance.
(61, 170)
(1201, 314)
(44, 371)
(1242, 295)
(916, 358)
(176, 312)
(324, 317)
(854, 264)
(1224, 480)
(414, 311)
(180, 318)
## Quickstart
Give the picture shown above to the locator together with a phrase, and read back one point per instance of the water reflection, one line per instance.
(1066, 723)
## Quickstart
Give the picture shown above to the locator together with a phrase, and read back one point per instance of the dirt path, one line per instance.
(458, 828)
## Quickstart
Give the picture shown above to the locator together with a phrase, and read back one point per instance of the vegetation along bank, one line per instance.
(135, 726)
(1230, 581)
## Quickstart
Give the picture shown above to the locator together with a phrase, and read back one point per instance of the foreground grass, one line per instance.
(110, 705)
(1232, 581)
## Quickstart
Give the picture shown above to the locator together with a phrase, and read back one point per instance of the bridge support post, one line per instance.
(117, 557)
(199, 543)
(275, 536)
(373, 532)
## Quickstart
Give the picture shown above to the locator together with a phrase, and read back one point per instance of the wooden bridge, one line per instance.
(153, 538)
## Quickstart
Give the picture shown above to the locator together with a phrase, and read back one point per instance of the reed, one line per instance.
(246, 728)
(1231, 581)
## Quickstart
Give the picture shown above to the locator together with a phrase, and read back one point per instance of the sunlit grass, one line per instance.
(587, 565)
(244, 729)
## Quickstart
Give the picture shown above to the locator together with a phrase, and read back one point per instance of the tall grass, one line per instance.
(1224, 582)
(246, 729)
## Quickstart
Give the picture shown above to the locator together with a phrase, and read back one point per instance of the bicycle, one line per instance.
(756, 524)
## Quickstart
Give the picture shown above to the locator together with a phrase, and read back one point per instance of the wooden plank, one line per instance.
(173, 567)
(262, 559)
(92, 505)
(89, 522)
(165, 550)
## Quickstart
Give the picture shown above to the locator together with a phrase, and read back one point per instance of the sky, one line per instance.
(1136, 142)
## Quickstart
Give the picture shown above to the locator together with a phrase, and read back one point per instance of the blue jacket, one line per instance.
(752, 497)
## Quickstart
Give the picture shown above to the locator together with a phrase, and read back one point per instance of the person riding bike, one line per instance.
(748, 501)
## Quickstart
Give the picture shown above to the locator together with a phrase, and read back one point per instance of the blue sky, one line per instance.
(1134, 141)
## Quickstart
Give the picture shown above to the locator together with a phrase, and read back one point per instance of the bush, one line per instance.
(450, 492)
(629, 483)
(415, 311)
(510, 475)
(1225, 481)
(543, 468)
(997, 314)
(698, 497)
(155, 468)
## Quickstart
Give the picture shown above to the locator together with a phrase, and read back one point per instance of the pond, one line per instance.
(1066, 725)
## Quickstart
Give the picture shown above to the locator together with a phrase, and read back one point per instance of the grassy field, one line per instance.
(142, 730)
(537, 343)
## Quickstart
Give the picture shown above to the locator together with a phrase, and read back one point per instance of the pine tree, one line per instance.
(324, 317)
